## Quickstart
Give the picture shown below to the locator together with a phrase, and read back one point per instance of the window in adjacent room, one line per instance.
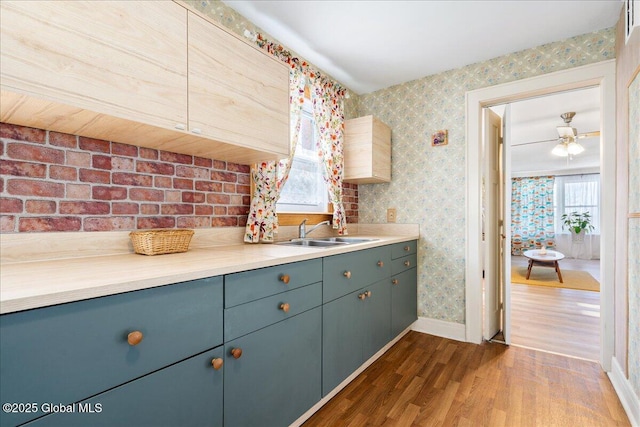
(577, 193)
(305, 189)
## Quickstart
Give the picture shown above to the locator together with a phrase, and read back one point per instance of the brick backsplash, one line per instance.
(51, 181)
(58, 182)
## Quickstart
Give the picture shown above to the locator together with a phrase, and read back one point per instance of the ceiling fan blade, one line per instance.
(588, 134)
(535, 142)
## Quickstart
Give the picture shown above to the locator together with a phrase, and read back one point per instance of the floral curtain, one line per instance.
(269, 177)
(328, 113)
(532, 223)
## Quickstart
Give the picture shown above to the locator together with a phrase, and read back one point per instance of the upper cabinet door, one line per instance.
(122, 58)
(237, 94)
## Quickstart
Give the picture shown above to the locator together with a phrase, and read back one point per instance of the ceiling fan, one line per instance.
(568, 136)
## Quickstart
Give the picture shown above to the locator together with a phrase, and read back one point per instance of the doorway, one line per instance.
(602, 75)
(546, 314)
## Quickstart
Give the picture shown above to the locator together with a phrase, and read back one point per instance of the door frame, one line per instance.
(602, 75)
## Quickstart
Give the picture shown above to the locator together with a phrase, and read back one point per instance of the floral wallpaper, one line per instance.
(428, 183)
(634, 235)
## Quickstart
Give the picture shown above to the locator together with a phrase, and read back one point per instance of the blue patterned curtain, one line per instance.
(532, 224)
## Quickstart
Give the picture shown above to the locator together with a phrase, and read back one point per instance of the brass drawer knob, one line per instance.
(368, 293)
(284, 278)
(395, 282)
(284, 307)
(217, 363)
(380, 264)
(407, 263)
(347, 274)
(134, 338)
(236, 353)
(362, 296)
(407, 248)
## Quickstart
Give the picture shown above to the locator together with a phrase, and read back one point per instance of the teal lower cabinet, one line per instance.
(273, 375)
(355, 327)
(253, 348)
(186, 394)
(404, 286)
(404, 301)
(66, 353)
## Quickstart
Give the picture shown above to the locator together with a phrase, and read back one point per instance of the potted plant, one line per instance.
(577, 223)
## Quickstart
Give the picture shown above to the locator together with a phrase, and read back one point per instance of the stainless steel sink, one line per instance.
(325, 242)
(311, 243)
(347, 240)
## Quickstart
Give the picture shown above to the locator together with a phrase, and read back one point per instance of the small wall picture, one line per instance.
(440, 137)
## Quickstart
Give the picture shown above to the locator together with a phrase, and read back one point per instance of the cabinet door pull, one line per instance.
(284, 278)
(284, 307)
(395, 282)
(380, 264)
(347, 274)
(407, 248)
(236, 353)
(368, 293)
(180, 126)
(407, 263)
(217, 363)
(197, 131)
(362, 296)
(134, 338)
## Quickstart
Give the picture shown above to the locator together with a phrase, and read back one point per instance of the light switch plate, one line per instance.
(391, 215)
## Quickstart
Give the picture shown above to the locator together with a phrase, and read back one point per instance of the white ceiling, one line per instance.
(536, 120)
(369, 45)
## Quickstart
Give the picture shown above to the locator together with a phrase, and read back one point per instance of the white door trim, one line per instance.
(601, 74)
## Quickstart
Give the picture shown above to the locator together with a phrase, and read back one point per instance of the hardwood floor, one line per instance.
(425, 380)
(564, 321)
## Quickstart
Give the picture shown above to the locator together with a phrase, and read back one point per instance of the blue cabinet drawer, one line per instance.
(251, 285)
(186, 394)
(403, 264)
(68, 352)
(399, 250)
(243, 319)
(349, 272)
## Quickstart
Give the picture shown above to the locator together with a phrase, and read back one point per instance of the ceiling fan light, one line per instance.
(574, 148)
(560, 150)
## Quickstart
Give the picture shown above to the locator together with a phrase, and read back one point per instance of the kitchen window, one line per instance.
(305, 190)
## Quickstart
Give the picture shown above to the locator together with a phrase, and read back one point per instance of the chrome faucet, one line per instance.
(302, 229)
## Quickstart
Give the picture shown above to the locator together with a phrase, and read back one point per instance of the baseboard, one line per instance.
(440, 328)
(627, 396)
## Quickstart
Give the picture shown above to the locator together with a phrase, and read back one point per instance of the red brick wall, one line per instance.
(350, 201)
(51, 181)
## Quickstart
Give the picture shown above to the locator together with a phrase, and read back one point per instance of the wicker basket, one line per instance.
(161, 241)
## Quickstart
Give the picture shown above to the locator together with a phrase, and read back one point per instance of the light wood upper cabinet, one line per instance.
(367, 151)
(120, 71)
(126, 59)
(236, 93)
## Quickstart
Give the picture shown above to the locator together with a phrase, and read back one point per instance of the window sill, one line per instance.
(291, 218)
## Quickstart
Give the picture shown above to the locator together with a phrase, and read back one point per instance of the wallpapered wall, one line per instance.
(428, 183)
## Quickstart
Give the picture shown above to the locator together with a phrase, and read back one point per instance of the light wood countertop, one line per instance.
(33, 284)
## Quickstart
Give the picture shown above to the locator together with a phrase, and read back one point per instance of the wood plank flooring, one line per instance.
(425, 380)
(564, 321)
